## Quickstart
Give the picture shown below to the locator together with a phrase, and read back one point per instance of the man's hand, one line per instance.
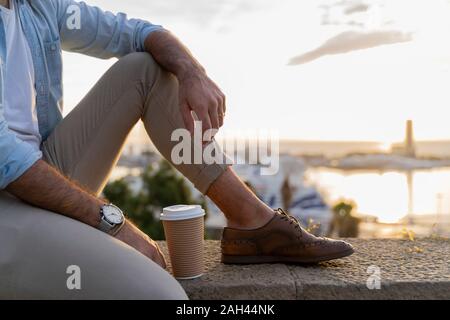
(135, 238)
(198, 92)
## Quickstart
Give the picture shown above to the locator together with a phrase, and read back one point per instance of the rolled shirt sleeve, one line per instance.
(89, 30)
(16, 156)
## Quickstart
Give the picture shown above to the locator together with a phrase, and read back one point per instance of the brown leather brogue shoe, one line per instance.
(281, 240)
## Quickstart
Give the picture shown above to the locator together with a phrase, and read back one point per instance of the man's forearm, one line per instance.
(45, 187)
(171, 54)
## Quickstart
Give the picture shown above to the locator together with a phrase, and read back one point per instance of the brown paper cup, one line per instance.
(185, 240)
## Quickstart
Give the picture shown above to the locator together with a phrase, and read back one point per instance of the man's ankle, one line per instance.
(249, 221)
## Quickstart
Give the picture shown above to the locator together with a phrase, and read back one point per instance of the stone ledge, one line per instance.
(409, 270)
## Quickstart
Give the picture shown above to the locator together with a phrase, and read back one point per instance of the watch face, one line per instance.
(113, 214)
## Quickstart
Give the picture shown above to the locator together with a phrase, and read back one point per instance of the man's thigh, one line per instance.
(39, 248)
(86, 145)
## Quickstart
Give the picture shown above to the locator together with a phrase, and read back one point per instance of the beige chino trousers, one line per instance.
(39, 249)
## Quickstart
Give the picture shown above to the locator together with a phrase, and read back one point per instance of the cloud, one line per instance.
(351, 41)
(336, 13)
(354, 8)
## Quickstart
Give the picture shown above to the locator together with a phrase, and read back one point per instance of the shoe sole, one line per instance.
(227, 259)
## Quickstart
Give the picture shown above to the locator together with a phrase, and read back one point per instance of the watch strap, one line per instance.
(105, 226)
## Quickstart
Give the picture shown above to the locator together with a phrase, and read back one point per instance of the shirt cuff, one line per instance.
(145, 32)
(29, 158)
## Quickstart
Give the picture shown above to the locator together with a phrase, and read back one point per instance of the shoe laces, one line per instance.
(292, 220)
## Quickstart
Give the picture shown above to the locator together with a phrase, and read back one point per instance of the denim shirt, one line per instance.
(51, 26)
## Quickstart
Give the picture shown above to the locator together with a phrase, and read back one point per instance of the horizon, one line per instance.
(332, 148)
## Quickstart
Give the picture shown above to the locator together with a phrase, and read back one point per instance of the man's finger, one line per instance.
(221, 111)
(161, 260)
(221, 119)
(187, 117)
(206, 123)
(224, 103)
(214, 116)
(157, 256)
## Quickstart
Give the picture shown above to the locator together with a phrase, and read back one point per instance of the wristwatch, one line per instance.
(112, 219)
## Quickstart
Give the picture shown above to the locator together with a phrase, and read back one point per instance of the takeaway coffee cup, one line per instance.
(184, 230)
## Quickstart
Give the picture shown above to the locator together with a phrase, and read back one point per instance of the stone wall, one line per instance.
(405, 269)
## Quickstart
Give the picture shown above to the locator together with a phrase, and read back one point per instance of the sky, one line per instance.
(310, 69)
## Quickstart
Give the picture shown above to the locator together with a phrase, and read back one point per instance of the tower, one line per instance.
(410, 148)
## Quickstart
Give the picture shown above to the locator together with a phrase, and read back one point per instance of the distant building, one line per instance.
(408, 147)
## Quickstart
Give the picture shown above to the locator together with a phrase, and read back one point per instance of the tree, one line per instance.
(162, 187)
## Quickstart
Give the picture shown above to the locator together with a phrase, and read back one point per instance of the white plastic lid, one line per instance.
(182, 212)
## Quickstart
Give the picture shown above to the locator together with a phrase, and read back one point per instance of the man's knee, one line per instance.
(156, 284)
(139, 61)
(169, 290)
(149, 72)
(141, 64)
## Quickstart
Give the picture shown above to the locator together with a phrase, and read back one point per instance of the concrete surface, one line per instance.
(407, 270)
